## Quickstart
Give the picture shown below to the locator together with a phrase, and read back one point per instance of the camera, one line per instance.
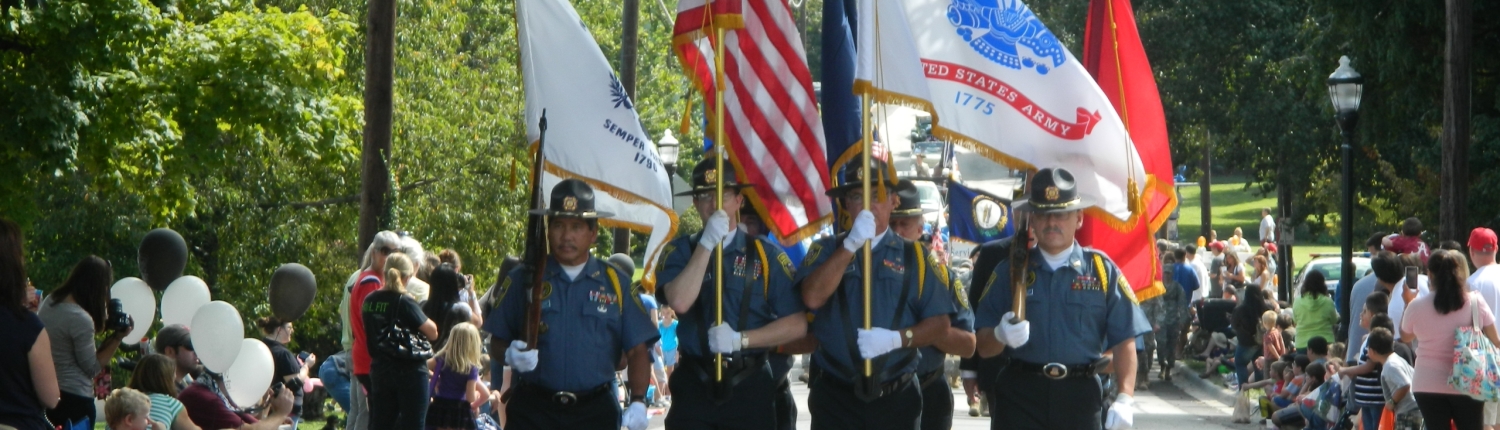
(117, 320)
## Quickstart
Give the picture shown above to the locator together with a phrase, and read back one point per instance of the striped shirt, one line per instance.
(1367, 386)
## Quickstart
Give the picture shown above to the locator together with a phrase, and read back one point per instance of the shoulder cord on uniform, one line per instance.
(1102, 275)
(765, 270)
(615, 281)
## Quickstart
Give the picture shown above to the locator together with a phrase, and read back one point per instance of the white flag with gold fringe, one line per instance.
(594, 133)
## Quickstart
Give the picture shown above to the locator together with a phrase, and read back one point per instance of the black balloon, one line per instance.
(162, 257)
(292, 291)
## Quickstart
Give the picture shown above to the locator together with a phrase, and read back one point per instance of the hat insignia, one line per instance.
(1051, 193)
(711, 176)
(570, 203)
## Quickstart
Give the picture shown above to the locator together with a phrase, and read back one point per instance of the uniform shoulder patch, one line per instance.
(1125, 289)
(786, 263)
(813, 252)
(666, 254)
(504, 288)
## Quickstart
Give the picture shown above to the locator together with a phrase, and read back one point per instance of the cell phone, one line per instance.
(1411, 277)
(303, 355)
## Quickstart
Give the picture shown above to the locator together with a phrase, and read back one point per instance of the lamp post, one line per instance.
(1345, 86)
(667, 148)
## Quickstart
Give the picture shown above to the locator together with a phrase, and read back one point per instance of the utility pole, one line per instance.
(1457, 123)
(375, 177)
(629, 42)
(1205, 202)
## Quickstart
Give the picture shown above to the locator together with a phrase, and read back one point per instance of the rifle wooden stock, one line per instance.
(1020, 256)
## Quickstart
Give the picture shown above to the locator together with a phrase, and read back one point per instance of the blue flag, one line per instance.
(977, 216)
(840, 107)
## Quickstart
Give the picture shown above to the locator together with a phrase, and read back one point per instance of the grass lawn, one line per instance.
(1235, 206)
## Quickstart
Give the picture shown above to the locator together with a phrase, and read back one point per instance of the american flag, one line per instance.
(771, 113)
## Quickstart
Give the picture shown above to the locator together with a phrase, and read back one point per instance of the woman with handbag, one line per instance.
(73, 314)
(399, 337)
(1432, 321)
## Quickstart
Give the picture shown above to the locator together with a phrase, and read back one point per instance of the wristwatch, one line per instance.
(744, 341)
(909, 338)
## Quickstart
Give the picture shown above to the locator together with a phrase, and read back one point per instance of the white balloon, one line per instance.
(250, 376)
(182, 299)
(139, 302)
(216, 332)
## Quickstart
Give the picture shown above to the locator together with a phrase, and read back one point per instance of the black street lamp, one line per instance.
(667, 148)
(1345, 86)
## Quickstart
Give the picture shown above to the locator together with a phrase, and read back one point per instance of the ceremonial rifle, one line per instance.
(1020, 256)
(536, 239)
(535, 256)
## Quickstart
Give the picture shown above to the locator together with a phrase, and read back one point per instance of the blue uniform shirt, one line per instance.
(768, 276)
(1073, 320)
(932, 358)
(928, 299)
(587, 324)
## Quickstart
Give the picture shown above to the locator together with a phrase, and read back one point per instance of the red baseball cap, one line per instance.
(1482, 240)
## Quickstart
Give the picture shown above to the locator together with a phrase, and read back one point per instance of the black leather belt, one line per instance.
(563, 398)
(883, 390)
(1055, 371)
(930, 377)
(735, 371)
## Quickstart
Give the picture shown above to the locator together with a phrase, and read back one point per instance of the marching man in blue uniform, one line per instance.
(589, 318)
(937, 396)
(909, 309)
(1078, 305)
(761, 311)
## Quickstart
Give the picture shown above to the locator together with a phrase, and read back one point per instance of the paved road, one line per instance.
(1178, 405)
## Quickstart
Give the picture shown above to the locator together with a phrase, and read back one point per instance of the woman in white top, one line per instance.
(1262, 275)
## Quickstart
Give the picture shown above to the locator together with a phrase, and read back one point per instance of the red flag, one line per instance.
(771, 114)
(1112, 52)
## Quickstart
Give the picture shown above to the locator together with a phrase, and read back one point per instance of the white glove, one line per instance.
(1122, 414)
(518, 360)
(1012, 335)
(862, 230)
(877, 341)
(715, 230)
(723, 340)
(635, 418)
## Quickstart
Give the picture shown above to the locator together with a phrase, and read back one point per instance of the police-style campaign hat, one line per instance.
(705, 173)
(1051, 190)
(572, 198)
(854, 177)
(910, 203)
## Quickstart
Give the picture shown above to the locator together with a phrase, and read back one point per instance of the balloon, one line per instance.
(216, 332)
(140, 304)
(162, 256)
(250, 376)
(292, 291)
(182, 300)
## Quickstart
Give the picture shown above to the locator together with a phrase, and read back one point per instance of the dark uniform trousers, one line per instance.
(834, 406)
(750, 404)
(1030, 401)
(534, 408)
(937, 401)
(786, 405)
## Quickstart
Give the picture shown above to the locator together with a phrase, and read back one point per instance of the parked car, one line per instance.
(1331, 271)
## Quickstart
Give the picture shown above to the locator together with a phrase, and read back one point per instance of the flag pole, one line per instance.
(719, 148)
(864, 115)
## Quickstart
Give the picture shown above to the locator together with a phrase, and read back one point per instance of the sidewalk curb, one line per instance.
(1184, 377)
